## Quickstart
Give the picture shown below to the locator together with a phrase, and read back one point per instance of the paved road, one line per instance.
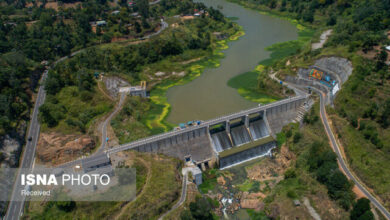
(182, 197)
(17, 201)
(341, 160)
(336, 147)
(164, 25)
(15, 206)
(107, 121)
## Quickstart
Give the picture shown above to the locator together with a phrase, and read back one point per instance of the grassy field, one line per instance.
(162, 190)
(86, 210)
(369, 163)
(358, 118)
(302, 183)
(77, 110)
(247, 86)
(128, 124)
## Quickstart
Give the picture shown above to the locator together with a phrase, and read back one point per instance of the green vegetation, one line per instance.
(360, 119)
(249, 186)
(257, 85)
(360, 116)
(83, 210)
(248, 87)
(157, 118)
(73, 109)
(19, 76)
(209, 180)
(191, 39)
(257, 215)
(289, 48)
(323, 163)
(314, 157)
(200, 209)
(300, 179)
(362, 210)
(161, 191)
(154, 195)
(128, 124)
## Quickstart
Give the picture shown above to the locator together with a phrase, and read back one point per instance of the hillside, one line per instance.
(156, 192)
(361, 109)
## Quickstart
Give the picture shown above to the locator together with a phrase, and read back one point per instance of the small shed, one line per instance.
(197, 174)
(296, 202)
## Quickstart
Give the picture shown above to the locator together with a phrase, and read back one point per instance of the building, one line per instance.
(135, 90)
(98, 23)
(197, 174)
(388, 48)
(195, 171)
(101, 23)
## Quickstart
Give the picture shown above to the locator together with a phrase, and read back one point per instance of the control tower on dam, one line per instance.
(227, 140)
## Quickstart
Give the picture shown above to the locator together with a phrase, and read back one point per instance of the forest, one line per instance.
(31, 33)
(128, 61)
(361, 109)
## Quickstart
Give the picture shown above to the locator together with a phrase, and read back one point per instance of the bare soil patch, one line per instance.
(272, 169)
(55, 148)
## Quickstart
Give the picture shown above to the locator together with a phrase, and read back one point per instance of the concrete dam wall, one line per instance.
(227, 140)
(246, 155)
(240, 135)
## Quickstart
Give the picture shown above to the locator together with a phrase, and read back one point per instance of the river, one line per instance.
(209, 96)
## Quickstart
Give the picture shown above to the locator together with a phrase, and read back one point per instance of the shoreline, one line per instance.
(156, 121)
(243, 83)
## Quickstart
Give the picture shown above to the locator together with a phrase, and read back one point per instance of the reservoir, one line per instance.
(209, 96)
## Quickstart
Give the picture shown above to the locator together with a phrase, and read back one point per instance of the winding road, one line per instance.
(341, 160)
(108, 120)
(336, 148)
(182, 197)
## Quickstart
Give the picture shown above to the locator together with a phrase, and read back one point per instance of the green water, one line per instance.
(209, 96)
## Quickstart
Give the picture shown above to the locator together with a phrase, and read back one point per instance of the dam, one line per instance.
(227, 140)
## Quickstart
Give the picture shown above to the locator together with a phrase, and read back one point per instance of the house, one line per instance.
(101, 23)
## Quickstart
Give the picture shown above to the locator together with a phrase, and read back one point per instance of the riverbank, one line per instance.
(254, 85)
(155, 120)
